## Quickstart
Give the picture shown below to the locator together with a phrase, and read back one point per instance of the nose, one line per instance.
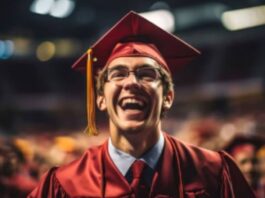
(131, 81)
(248, 167)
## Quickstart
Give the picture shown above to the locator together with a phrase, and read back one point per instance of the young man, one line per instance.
(136, 60)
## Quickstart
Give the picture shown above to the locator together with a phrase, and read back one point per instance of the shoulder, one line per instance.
(90, 155)
(48, 186)
(74, 178)
(200, 168)
(198, 165)
(199, 156)
(88, 164)
(215, 171)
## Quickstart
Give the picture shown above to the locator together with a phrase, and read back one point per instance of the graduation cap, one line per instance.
(133, 35)
(241, 142)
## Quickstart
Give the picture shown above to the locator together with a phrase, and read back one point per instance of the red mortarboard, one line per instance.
(240, 142)
(135, 28)
(169, 50)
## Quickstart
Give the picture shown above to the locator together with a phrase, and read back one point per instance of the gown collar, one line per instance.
(123, 161)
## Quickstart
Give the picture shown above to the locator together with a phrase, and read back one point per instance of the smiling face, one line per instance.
(245, 158)
(133, 105)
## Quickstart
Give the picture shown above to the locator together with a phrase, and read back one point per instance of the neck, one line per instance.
(135, 143)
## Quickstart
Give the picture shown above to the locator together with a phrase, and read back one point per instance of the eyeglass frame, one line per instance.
(166, 79)
(157, 69)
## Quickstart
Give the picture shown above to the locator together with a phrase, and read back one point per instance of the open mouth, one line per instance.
(132, 104)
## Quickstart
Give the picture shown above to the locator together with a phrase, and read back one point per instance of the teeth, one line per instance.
(132, 101)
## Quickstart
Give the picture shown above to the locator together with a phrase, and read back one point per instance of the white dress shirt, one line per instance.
(123, 161)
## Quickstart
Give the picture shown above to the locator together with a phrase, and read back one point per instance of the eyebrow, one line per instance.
(146, 65)
(117, 67)
(137, 66)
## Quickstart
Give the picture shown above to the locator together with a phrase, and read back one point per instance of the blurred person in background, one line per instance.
(134, 86)
(40, 164)
(261, 171)
(15, 179)
(244, 149)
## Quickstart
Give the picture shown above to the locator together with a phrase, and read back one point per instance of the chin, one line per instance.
(132, 127)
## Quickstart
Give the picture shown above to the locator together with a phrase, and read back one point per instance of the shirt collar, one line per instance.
(123, 161)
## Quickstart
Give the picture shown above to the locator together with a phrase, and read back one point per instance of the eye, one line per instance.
(147, 74)
(117, 74)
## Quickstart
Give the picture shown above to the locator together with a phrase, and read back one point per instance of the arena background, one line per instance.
(42, 101)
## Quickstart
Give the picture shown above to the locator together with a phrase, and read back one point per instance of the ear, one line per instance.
(168, 100)
(101, 103)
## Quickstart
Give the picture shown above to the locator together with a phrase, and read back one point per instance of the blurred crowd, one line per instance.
(240, 134)
(24, 158)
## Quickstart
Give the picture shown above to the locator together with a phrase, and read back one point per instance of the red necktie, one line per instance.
(138, 185)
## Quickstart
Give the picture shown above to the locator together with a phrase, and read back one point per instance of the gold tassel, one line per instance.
(91, 118)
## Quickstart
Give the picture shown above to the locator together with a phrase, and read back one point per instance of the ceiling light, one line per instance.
(62, 8)
(45, 51)
(55, 8)
(6, 49)
(41, 6)
(162, 18)
(244, 18)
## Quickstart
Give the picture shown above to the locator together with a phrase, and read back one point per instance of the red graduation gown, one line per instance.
(183, 171)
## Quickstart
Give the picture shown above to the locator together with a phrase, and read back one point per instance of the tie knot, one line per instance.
(137, 168)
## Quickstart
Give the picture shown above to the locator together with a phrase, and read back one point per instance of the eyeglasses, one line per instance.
(145, 74)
